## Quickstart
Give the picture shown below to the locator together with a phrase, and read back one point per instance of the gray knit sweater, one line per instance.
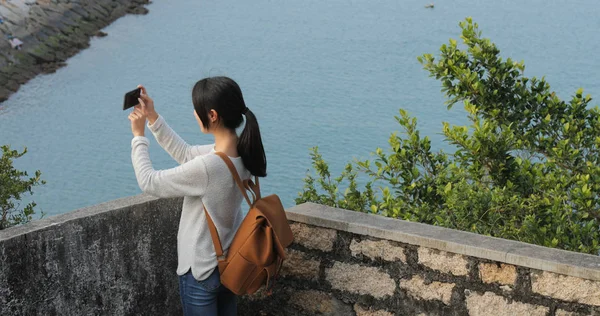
(201, 177)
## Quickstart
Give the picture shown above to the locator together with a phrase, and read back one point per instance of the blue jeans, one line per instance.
(207, 297)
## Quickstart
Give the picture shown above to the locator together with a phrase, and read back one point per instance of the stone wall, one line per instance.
(117, 258)
(348, 263)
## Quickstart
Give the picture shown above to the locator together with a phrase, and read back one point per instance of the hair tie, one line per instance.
(245, 110)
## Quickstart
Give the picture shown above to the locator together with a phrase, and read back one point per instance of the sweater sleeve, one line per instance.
(188, 179)
(174, 144)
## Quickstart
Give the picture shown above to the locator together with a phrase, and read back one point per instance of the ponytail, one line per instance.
(224, 95)
(250, 147)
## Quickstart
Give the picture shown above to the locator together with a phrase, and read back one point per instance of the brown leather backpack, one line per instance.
(257, 251)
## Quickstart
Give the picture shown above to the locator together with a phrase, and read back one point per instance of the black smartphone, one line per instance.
(131, 98)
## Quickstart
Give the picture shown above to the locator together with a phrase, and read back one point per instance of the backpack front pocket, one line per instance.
(236, 273)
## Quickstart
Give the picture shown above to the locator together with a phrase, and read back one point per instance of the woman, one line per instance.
(204, 180)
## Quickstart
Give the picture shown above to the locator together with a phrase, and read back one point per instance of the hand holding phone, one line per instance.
(139, 98)
(131, 99)
(147, 105)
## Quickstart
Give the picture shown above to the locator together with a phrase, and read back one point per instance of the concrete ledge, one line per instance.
(450, 240)
(97, 209)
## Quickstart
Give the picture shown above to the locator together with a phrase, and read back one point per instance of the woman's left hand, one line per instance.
(138, 122)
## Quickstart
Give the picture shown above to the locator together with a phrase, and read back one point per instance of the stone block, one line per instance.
(442, 261)
(316, 302)
(361, 280)
(258, 295)
(417, 288)
(298, 264)
(492, 304)
(369, 312)
(504, 274)
(566, 288)
(562, 312)
(383, 249)
(313, 237)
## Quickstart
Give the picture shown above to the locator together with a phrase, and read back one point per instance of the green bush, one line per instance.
(12, 187)
(526, 168)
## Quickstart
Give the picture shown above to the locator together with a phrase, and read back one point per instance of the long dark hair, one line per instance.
(223, 95)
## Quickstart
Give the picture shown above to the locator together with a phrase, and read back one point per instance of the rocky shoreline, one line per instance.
(52, 31)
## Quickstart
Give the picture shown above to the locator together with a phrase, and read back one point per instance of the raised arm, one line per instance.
(173, 144)
(166, 137)
(188, 179)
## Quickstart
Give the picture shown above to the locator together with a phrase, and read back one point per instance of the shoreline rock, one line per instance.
(52, 31)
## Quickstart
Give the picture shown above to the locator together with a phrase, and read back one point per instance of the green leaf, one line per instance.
(373, 208)
(448, 187)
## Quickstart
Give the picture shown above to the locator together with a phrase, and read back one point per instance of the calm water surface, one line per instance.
(317, 73)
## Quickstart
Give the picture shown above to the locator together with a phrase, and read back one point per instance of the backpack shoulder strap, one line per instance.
(235, 175)
(211, 225)
(253, 187)
(215, 236)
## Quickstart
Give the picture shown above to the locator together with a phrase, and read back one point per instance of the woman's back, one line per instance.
(204, 180)
(223, 201)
